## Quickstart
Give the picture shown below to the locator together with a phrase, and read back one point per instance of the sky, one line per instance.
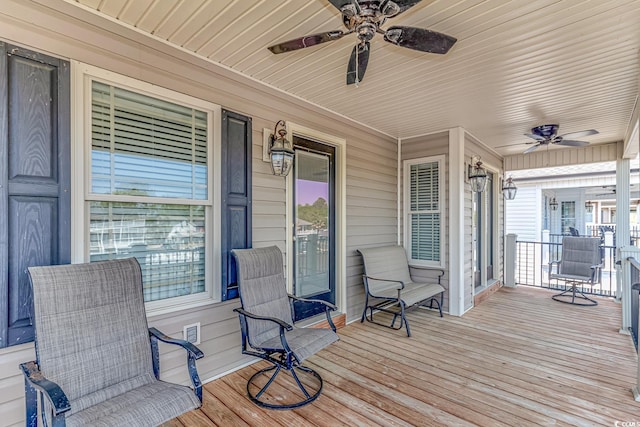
(309, 191)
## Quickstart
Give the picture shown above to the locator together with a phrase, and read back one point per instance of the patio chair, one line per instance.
(266, 321)
(96, 360)
(580, 264)
(390, 288)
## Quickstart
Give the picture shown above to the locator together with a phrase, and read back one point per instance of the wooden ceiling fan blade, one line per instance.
(339, 4)
(358, 63)
(580, 134)
(530, 149)
(572, 143)
(306, 41)
(534, 136)
(420, 39)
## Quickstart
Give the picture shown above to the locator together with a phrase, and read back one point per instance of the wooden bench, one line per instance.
(390, 287)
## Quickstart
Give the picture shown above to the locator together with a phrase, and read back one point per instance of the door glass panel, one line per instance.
(568, 216)
(312, 223)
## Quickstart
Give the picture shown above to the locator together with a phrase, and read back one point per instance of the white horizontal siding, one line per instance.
(542, 158)
(523, 215)
(371, 164)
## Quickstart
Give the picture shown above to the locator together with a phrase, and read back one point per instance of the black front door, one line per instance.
(314, 224)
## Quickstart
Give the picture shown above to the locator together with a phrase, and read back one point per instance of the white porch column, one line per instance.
(624, 276)
(510, 260)
(456, 221)
(623, 235)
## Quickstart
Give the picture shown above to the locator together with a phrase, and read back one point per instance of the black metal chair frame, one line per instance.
(573, 295)
(577, 297)
(387, 302)
(281, 358)
(36, 383)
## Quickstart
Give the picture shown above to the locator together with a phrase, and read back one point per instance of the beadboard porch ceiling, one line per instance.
(517, 64)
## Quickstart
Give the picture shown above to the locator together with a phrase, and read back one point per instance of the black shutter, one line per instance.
(236, 195)
(35, 165)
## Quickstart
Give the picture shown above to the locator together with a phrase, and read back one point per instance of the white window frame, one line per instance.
(406, 169)
(82, 75)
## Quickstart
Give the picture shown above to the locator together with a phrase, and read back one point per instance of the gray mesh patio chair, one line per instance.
(580, 264)
(96, 360)
(390, 288)
(266, 320)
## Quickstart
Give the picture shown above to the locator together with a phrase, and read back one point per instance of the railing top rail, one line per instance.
(539, 242)
(634, 262)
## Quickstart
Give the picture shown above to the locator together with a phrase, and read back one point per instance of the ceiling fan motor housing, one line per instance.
(546, 131)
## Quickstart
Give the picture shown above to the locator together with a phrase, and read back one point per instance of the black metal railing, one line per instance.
(532, 267)
(635, 298)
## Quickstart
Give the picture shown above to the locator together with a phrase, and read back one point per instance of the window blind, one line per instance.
(146, 146)
(424, 205)
(151, 148)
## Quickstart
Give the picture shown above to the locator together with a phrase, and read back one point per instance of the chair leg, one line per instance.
(366, 305)
(576, 297)
(438, 303)
(404, 319)
(309, 395)
(31, 405)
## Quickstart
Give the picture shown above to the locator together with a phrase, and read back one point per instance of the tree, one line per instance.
(317, 213)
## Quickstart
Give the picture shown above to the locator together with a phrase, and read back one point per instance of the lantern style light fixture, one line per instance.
(588, 206)
(477, 175)
(553, 204)
(509, 189)
(280, 150)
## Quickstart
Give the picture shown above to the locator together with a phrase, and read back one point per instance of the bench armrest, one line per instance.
(420, 267)
(400, 282)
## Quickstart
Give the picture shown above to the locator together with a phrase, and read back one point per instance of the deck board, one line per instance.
(519, 358)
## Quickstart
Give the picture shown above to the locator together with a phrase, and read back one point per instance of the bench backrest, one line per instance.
(385, 262)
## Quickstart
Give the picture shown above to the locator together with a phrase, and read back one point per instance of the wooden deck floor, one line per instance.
(518, 359)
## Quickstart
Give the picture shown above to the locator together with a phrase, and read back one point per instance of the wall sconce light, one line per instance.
(509, 189)
(280, 150)
(588, 206)
(553, 204)
(477, 175)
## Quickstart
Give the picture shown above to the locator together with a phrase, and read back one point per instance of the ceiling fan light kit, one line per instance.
(364, 18)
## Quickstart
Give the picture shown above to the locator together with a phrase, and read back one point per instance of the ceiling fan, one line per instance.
(547, 134)
(364, 18)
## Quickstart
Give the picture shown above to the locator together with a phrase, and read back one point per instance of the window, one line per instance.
(423, 210)
(149, 191)
(567, 216)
